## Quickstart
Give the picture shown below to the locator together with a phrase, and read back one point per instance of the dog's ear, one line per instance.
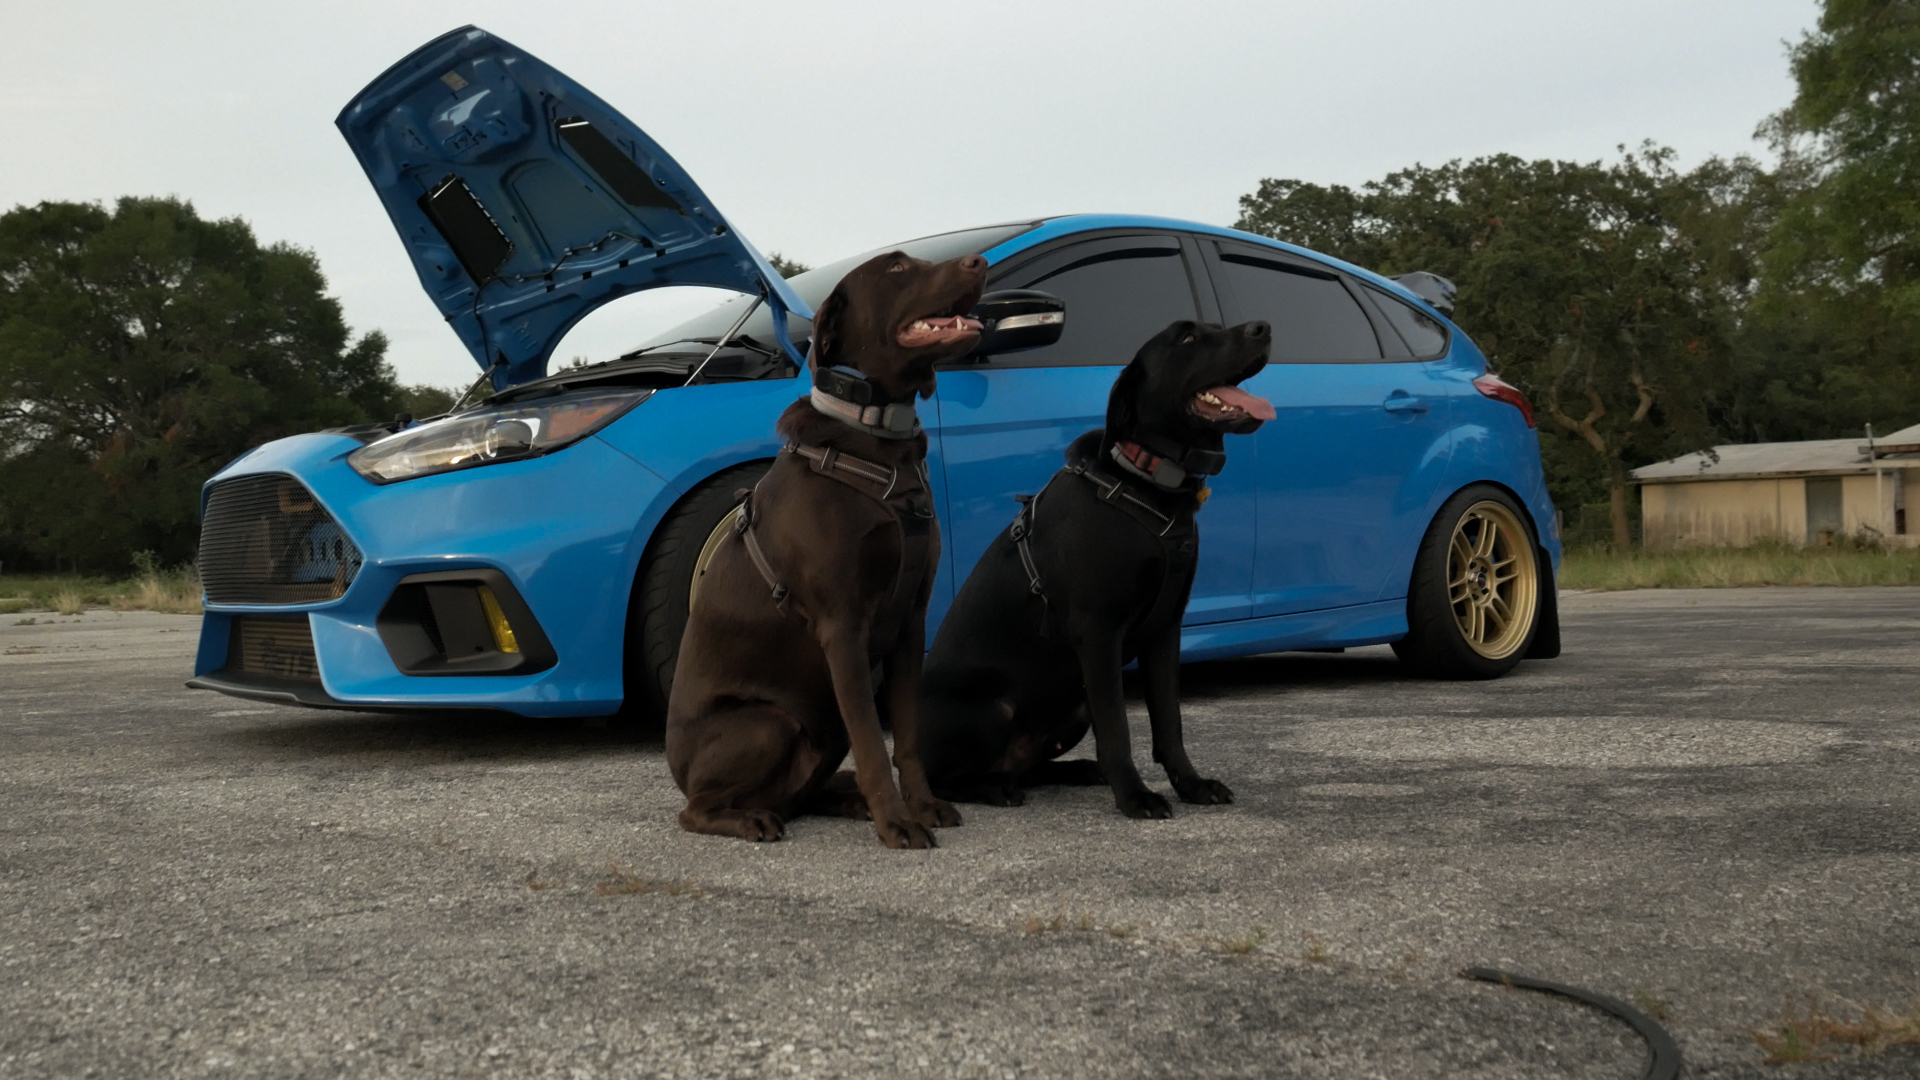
(828, 329)
(1123, 401)
(1123, 405)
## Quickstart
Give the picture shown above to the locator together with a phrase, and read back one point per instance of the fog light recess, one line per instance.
(462, 622)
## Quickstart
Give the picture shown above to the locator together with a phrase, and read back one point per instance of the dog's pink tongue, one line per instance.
(1258, 407)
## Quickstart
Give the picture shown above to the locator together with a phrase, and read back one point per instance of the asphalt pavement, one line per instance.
(1709, 806)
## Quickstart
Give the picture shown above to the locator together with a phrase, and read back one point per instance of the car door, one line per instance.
(1005, 422)
(1350, 468)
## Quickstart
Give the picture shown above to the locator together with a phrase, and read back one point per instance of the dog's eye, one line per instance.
(896, 268)
(1188, 340)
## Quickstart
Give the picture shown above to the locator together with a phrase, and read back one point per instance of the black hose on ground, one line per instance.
(1663, 1057)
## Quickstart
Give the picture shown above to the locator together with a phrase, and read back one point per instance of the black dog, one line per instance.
(1093, 573)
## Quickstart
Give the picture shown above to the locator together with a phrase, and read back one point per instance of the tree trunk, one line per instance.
(1622, 535)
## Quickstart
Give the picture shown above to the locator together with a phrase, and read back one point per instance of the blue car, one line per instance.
(535, 552)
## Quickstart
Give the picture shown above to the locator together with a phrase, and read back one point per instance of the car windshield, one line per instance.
(814, 285)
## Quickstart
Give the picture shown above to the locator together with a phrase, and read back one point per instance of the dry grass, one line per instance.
(151, 588)
(1602, 570)
(1818, 1035)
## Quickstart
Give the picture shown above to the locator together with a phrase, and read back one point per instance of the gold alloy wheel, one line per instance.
(714, 539)
(1493, 580)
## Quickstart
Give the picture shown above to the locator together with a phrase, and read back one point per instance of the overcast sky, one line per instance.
(825, 129)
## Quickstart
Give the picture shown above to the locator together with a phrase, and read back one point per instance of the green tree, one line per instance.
(1605, 291)
(1852, 140)
(787, 267)
(1830, 341)
(140, 350)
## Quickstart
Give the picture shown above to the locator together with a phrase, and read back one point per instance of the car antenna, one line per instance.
(499, 361)
(726, 337)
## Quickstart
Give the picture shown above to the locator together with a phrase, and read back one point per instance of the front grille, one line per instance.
(271, 647)
(267, 540)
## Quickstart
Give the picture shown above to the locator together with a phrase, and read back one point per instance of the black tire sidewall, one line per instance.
(1434, 646)
(657, 611)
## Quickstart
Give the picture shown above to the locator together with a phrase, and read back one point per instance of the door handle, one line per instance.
(1402, 402)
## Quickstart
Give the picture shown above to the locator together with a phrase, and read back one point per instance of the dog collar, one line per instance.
(895, 421)
(1162, 471)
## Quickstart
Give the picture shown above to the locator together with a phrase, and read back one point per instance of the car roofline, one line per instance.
(1068, 224)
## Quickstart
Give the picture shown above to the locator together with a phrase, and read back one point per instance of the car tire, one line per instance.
(657, 614)
(1475, 599)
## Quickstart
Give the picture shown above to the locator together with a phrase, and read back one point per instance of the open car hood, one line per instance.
(526, 202)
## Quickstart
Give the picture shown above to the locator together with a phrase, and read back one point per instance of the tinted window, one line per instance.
(1117, 297)
(1314, 317)
(815, 285)
(1423, 333)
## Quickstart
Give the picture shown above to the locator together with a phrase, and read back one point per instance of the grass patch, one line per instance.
(1817, 1034)
(1602, 570)
(1242, 946)
(151, 588)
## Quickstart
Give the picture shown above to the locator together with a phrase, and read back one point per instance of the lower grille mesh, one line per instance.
(273, 647)
(267, 540)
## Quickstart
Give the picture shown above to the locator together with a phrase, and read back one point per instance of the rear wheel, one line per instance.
(662, 593)
(1474, 602)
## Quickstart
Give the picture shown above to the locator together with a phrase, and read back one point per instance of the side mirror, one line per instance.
(1016, 319)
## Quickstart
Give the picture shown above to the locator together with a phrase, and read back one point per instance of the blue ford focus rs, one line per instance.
(534, 552)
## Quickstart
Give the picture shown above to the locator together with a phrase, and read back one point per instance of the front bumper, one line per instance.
(562, 531)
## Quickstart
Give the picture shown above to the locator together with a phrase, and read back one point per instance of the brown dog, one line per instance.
(823, 583)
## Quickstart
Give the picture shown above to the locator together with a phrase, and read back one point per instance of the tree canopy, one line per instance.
(1651, 311)
(143, 348)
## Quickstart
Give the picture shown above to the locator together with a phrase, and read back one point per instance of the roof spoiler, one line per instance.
(1432, 288)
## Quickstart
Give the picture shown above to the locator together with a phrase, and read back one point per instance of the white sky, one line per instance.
(822, 129)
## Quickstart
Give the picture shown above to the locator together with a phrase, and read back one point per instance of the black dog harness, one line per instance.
(1176, 533)
(907, 495)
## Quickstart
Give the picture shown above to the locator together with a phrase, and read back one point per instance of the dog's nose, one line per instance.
(1257, 330)
(974, 264)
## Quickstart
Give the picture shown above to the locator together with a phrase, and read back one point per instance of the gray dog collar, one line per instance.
(896, 421)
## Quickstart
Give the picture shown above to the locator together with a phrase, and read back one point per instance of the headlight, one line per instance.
(490, 435)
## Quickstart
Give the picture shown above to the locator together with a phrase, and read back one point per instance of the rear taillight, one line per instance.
(1500, 389)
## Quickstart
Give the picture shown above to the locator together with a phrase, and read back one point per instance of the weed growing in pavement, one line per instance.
(1123, 931)
(69, 602)
(622, 882)
(1816, 1034)
(1316, 950)
(1656, 1007)
(28, 621)
(1242, 946)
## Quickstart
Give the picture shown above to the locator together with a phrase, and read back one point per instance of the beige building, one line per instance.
(1795, 493)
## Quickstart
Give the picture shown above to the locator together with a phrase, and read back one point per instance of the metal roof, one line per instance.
(1814, 457)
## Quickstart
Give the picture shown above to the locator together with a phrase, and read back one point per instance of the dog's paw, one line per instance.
(935, 814)
(904, 833)
(1144, 804)
(761, 826)
(1203, 792)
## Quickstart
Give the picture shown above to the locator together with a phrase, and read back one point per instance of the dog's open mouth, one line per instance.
(1227, 402)
(937, 330)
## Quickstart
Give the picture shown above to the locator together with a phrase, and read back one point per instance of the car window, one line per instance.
(1119, 291)
(1425, 335)
(1315, 319)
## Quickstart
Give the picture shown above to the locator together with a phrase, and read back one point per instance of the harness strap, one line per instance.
(1112, 489)
(743, 528)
